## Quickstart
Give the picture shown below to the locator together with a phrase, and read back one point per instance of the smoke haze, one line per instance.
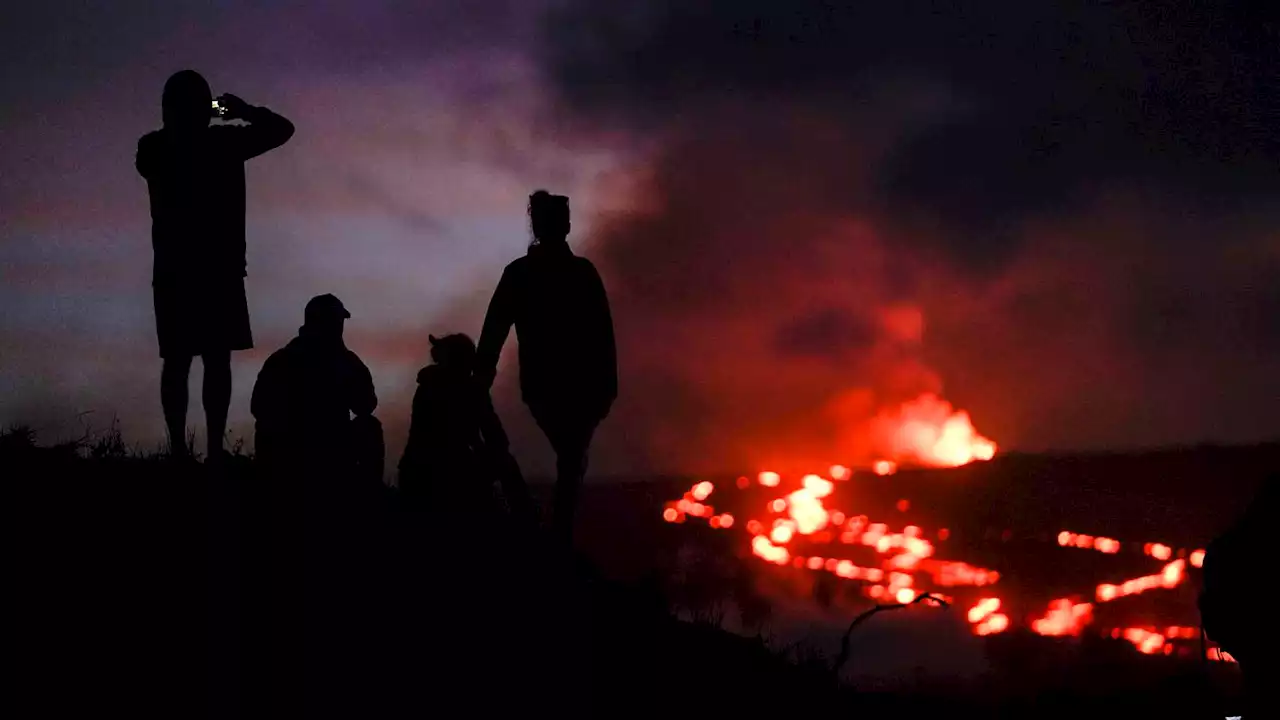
(1061, 219)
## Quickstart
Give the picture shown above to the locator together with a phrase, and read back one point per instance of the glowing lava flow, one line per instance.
(1064, 618)
(985, 619)
(907, 558)
(1159, 551)
(799, 528)
(1168, 578)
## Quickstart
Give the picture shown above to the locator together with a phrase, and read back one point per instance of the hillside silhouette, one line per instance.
(174, 589)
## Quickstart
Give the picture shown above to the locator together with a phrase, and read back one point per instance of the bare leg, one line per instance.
(173, 399)
(217, 398)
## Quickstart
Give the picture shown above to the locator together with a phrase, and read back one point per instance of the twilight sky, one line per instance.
(1064, 218)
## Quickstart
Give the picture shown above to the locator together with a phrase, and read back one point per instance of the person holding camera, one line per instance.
(195, 179)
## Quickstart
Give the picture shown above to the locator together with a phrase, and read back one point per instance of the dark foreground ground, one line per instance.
(146, 588)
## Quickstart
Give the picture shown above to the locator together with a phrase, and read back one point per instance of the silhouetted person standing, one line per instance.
(195, 177)
(568, 361)
(304, 400)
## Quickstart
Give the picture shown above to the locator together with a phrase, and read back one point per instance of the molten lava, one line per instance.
(1064, 618)
(926, 431)
(929, 431)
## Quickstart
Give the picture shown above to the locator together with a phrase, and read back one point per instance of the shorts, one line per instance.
(202, 318)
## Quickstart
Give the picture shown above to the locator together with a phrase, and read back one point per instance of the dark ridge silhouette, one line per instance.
(304, 402)
(568, 360)
(195, 178)
(1233, 612)
(169, 590)
(457, 445)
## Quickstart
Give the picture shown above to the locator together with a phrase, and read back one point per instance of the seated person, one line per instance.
(304, 400)
(456, 446)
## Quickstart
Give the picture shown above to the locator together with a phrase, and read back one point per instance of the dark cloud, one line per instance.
(1018, 109)
(1074, 202)
(1078, 197)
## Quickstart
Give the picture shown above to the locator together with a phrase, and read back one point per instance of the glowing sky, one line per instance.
(1083, 210)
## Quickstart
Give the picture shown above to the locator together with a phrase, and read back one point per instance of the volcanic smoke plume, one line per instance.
(828, 213)
(774, 330)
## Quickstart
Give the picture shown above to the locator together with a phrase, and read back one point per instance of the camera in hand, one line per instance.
(218, 110)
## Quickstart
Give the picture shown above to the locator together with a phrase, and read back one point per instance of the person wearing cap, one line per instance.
(568, 361)
(306, 395)
(195, 181)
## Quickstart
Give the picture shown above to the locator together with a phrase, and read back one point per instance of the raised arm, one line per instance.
(497, 325)
(265, 130)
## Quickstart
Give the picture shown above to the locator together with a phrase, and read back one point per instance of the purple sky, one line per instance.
(1084, 210)
(420, 135)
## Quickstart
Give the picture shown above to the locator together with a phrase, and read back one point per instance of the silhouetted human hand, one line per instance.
(236, 108)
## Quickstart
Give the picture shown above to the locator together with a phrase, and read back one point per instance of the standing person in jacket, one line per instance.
(195, 178)
(568, 360)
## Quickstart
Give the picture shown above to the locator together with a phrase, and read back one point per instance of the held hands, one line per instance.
(237, 109)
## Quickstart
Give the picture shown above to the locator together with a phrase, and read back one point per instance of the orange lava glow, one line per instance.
(1105, 545)
(1219, 655)
(994, 623)
(761, 546)
(929, 431)
(1168, 578)
(984, 608)
(1064, 618)
(1147, 642)
(1158, 551)
(782, 534)
(801, 520)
